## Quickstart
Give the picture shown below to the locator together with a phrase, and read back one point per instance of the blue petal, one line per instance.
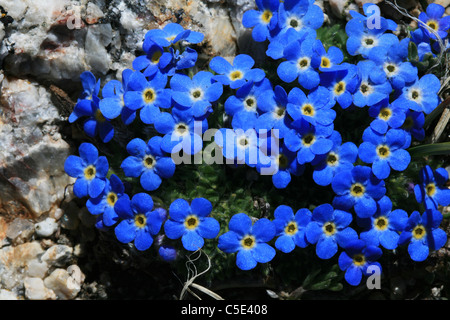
(192, 241)
(125, 231)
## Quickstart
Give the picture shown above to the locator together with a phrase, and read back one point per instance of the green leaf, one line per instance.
(309, 278)
(321, 285)
(413, 54)
(435, 113)
(430, 149)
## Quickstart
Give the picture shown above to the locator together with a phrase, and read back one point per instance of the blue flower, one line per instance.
(394, 62)
(431, 189)
(340, 157)
(248, 240)
(91, 89)
(154, 61)
(358, 188)
(89, 169)
(356, 259)
(413, 125)
(299, 15)
(324, 60)
(385, 226)
(384, 151)
(387, 116)
(191, 223)
(177, 60)
(167, 253)
(433, 19)
(373, 87)
(148, 96)
(181, 131)
(291, 229)
(422, 95)
(281, 163)
(308, 141)
(364, 38)
(112, 105)
(247, 98)
(88, 106)
(275, 49)
(170, 34)
(315, 109)
(263, 20)
(197, 93)
(273, 111)
(342, 84)
(239, 146)
(298, 55)
(104, 204)
(422, 234)
(328, 229)
(148, 162)
(237, 74)
(139, 221)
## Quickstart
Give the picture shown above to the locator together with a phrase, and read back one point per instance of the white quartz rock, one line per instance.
(36, 290)
(63, 285)
(46, 227)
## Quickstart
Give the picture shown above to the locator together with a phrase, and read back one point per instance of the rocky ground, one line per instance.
(49, 248)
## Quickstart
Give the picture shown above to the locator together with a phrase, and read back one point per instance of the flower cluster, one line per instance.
(280, 127)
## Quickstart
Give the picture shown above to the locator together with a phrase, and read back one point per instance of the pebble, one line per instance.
(46, 227)
(20, 230)
(63, 285)
(36, 290)
(57, 255)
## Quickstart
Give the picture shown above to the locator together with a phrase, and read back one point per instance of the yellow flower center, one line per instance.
(381, 223)
(431, 189)
(332, 159)
(308, 110)
(359, 260)
(250, 103)
(365, 89)
(140, 220)
(149, 95)
(266, 16)
(181, 129)
(279, 112)
(357, 190)
(339, 88)
(291, 228)
(90, 172)
(248, 242)
(191, 222)
(149, 162)
(236, 75)
(415, 95)
(196, 94)
(390, 69)
(325, 62)
(385, 114)
(308, 140)
(433, 24)
(329, 228)
(303, 63)
(111, 198)
(243, 142)
(383, 151)
(419, 232)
